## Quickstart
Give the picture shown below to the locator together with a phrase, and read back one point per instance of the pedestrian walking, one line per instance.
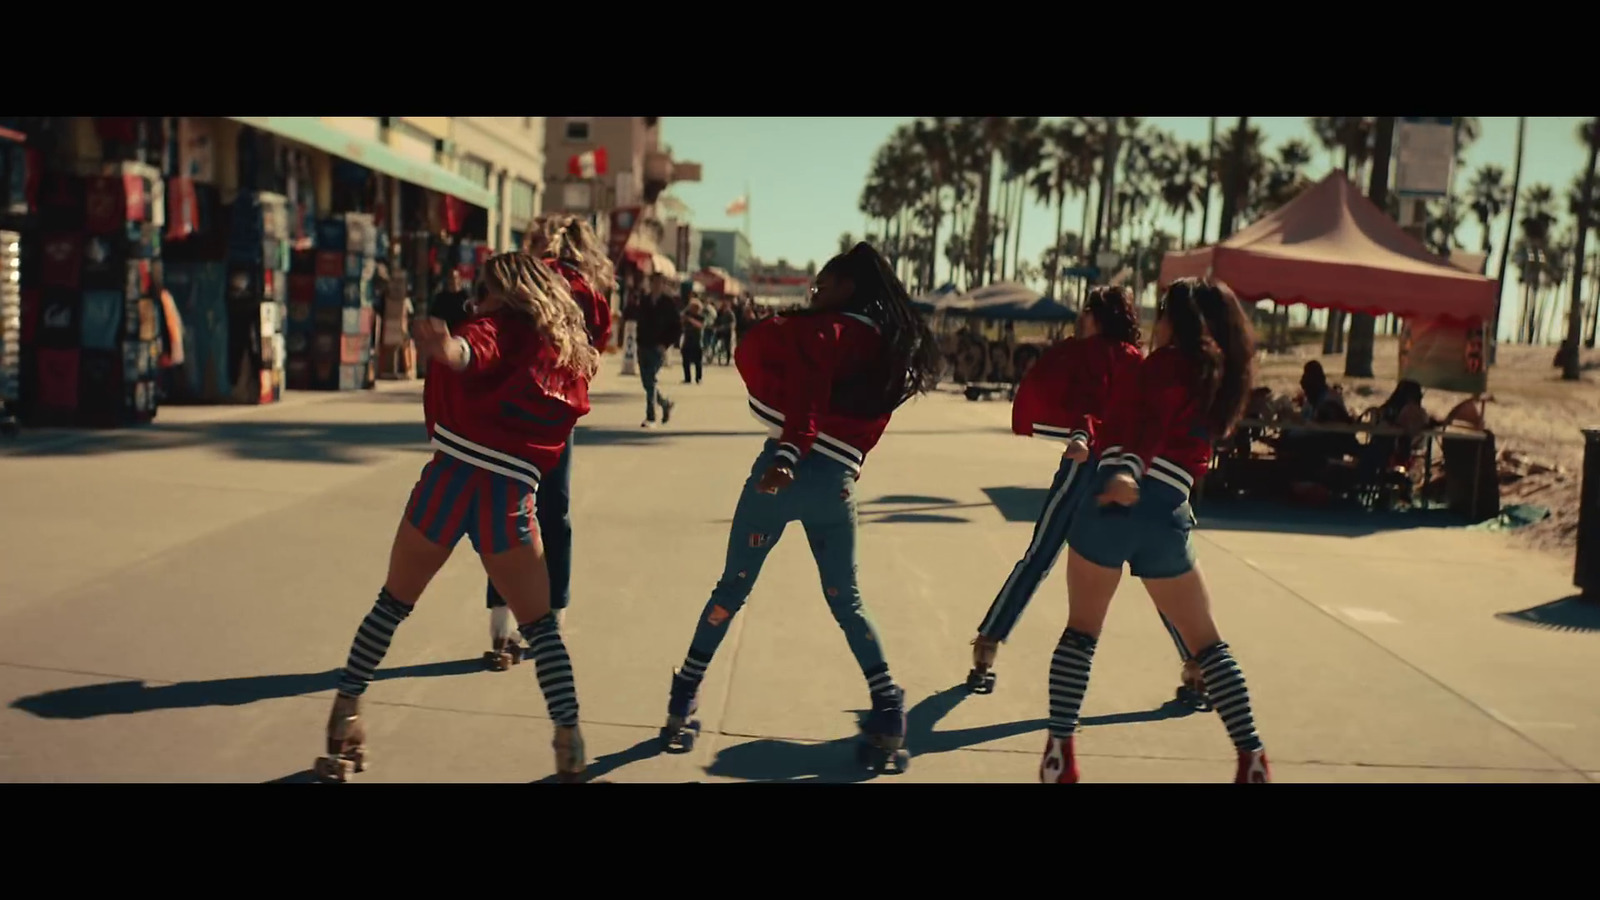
(693, 350)
(1159, 430)
(825, 382)
(659, 330)
(505, 390)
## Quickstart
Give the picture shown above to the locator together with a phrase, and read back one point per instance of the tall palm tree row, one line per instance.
(957, 188)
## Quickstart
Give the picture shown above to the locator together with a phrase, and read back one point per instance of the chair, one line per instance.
(1384, 473)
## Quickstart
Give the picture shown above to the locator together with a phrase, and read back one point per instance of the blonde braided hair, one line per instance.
(531, 288)
(573, 240)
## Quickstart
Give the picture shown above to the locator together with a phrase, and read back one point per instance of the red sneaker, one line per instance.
(1059, 765)
(1253, 768)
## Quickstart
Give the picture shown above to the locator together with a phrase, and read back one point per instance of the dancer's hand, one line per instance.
(1120, 490)
(431, 335)
(776, 479)
(1077, 450)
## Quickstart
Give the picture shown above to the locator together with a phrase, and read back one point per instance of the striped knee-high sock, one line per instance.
(553, 668)
(694, 667)
(879, 683)
(1069, 679)
(371, 643)
(1229, 695)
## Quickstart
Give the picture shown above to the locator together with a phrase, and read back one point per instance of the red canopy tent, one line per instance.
(1331, 247)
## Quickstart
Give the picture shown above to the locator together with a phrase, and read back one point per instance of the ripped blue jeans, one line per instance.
(822, 499)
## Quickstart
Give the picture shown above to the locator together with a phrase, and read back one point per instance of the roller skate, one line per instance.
(570, 759)
(981, 679)
(1253, 768)
(1060, 763)
(347, 738)
(1192, 692)
(678, 735)
(883, 737)
(507, 650)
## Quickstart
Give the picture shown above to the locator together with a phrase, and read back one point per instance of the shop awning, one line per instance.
(651, 263)
(313, 132)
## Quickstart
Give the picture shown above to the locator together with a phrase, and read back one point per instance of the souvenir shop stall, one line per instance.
(80, 260)
(17, 202)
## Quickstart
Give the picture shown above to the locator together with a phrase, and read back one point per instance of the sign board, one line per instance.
(1090, 272)
(1445, 356)
(630, 348)
(1425, 156)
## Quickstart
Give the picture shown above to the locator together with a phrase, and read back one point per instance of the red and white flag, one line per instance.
(739, 207)
(588, 165)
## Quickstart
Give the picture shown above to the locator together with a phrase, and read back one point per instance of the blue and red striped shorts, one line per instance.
(453, 498)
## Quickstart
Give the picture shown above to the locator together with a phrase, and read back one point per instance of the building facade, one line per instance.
(728, 251)
(637, 168)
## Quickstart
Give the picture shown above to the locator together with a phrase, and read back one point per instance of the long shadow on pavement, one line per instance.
(772, 760)
(1574, 613)
(125, 697)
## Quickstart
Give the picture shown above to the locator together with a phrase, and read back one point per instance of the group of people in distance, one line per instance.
(507, 385)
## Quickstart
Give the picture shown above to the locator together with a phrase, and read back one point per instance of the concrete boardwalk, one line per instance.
(175, 601)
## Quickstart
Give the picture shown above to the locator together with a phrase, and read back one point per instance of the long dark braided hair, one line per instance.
(1211, 329)
(910, 360)
(1114, 312)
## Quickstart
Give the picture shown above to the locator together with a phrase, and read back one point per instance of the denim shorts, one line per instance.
(1153, 537)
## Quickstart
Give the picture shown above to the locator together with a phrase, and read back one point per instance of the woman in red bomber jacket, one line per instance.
(1062, 398)
(825, 382)
(568, 245)
(1191, 389)
(503, 394)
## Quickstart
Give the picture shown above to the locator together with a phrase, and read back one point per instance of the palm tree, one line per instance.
(1584, 203)
(1211, 173)
(1488, 196)
(1505, 246)
(1533, 255)
(1051, 186)
(1242, 165)
(846, 241)
(1022, 154)
(1181, 187)
(1358, 361)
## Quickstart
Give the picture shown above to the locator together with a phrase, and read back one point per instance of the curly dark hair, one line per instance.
(1115, 314)
(910, 360)
(1210, 327)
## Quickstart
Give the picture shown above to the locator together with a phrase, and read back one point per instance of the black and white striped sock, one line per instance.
(1069, 679)
(371, 643)
(1229, 695)
(694, 667)
(553, 668)
(879, 683)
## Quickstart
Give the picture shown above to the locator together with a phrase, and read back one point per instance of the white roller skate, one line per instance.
(506, 650)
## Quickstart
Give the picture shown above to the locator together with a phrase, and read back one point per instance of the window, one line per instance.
(578, 130)
(522, 200)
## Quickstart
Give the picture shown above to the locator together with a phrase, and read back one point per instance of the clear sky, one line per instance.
(804, 175)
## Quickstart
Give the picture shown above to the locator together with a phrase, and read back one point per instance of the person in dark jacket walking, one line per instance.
(659, 330)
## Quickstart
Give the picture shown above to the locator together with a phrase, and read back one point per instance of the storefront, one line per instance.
(220, 260)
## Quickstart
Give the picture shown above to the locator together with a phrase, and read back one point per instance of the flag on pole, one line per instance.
(739, 207)
(588, 165)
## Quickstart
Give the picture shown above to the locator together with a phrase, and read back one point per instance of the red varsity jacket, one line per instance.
(510, 411)
(596, 310)
(1064, 395)
(1155, 426)
(789, 366)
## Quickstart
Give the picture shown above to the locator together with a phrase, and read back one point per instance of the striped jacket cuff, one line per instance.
(1115, 456)
(1079, 435)
(789, 453)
